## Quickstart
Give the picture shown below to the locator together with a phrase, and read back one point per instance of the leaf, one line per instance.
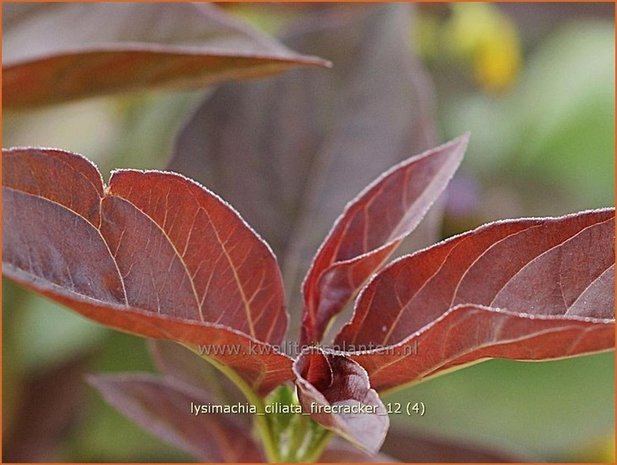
(58, 52)
(529, 289)
(152, 253)
(182, 365)
(370, 228)
(416, 446)
(334, 381)
(164, 409)
(336, 130)
(36, 432)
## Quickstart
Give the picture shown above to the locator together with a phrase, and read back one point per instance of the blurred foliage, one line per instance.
(88, 126)
(133, 131)
(550, 142)
(106, 435)
(545, 146)
(542, 122)
(533, 151)
(549, 409)
(40, 335)
(578, 131)
(265, 19)
(479, 35)
(12, 366)
(65, 332)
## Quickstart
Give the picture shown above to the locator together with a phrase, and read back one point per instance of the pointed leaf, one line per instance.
(529, 289)
(328, 381)
(336, 131)
(152, 253)
(164, 409)
(471, 333)
(370, 229)
(57, 52)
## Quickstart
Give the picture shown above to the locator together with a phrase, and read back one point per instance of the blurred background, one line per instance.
(534, 83)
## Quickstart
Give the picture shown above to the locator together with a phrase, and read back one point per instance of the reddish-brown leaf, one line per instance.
(152, 253)
(529, 289)
(370, 229)
(57, 52)
(164, 409)
(471, 333)
(334, 381)
(336, 130)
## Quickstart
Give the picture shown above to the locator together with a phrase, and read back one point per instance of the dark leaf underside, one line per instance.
(163, 407)
(336, 130)
(58, 52)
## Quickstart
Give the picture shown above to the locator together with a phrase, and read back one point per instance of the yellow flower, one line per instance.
(484, 37)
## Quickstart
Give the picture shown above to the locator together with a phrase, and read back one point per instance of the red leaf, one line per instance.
(164, 409)
(529, 289)
(152, 253)
(334, 381)
(57, 52)
(369, 230)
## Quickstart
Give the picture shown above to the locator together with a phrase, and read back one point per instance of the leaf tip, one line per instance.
(461, 142)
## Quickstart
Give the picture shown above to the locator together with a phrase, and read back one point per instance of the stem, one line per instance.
(261, 422)
(298, 436)
(317, 448)
(304, 430)
(308, 440)
(270, 448)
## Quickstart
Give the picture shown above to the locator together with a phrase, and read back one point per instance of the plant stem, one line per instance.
(261, 422)
(303, 430)
(317, 448)
(298, 436)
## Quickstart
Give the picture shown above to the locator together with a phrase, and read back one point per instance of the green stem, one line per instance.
(299, 433)
(314, 452)
(303, 430)
(298, 436)
(261, 422)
